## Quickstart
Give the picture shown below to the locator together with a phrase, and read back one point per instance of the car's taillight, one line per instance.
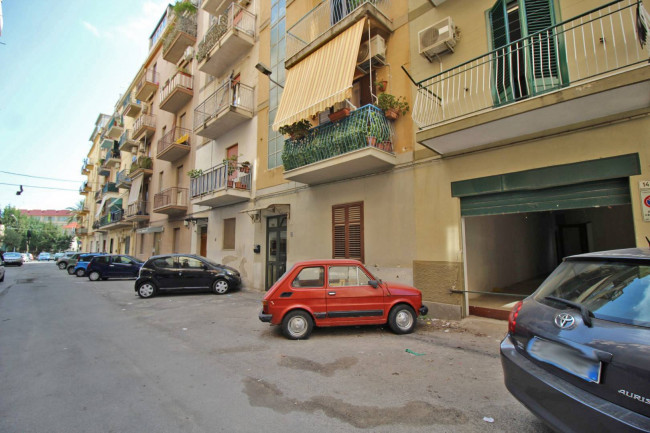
(512, 319)
(265, 306)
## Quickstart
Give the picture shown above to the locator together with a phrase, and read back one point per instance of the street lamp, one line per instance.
(266, 71)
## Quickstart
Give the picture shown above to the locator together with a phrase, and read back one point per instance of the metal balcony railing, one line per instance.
(364, 127)
(137, 208)
(145, 120)
(115, 121)
(173, 196)
(598, 42)
(230, 93)
(235, 17)
(111, 154)
(150, 76)
(130, 99)
(180, 79)
(176, 135)
(181, 23)
(321, 18)
(220, 177)
(111, 217)
(109, 187)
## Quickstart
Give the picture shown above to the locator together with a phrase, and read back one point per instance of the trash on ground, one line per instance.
(488, 419)
(414, 353)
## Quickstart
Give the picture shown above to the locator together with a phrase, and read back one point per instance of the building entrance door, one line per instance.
(203, 248)
(276, 248)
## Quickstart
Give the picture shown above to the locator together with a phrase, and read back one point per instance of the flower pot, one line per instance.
(382, 85)
(391, 113)
(338, 115)
(245, 169)
(240, 185)
(372, 141)
(230, 184)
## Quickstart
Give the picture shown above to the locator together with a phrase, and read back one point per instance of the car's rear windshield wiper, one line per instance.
(584, 311)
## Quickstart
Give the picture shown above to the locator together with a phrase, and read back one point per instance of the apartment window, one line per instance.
(229, 234)
(160, 181)
(278, 49)
(127, 244)
(523, 67)
(347, 231)
(176, 240)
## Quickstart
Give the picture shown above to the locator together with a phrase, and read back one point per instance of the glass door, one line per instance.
(276, 248)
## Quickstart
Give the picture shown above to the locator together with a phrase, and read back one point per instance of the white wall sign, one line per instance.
(644, 189)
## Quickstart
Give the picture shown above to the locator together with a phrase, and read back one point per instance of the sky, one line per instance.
(62, 63)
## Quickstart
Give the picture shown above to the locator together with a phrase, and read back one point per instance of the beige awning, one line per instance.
(135, 190)
(321, 80)
(101, 207)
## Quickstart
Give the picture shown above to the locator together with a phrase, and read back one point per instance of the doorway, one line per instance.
(203, 241)
(276, 249)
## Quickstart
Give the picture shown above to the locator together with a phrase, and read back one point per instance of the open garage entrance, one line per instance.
(517, 227)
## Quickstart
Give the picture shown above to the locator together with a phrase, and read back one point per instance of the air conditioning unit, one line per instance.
(372, 52)
(437, 39)
(189, 54)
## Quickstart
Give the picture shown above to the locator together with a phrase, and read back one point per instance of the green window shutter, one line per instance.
(543, 46)
(500, 61)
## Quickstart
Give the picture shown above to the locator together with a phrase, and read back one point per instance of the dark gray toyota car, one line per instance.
(577, 352)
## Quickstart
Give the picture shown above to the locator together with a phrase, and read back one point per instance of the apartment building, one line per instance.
(533, 132)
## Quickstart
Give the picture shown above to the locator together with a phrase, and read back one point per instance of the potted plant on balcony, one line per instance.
(296, 130)
(194, 173)
(381, 85)
(245, 167)
(145, 162)
(393, 106)
(339, 114)
(182, 7)
(231, 163)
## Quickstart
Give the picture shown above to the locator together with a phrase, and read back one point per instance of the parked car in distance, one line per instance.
(185, 272)
(25, 257)
(68, 260)
(43, 257)
(79, 268)
(15, 259)
(2, 270)
(113, 266)
(58, 256)
(576, 353)
(338, 292)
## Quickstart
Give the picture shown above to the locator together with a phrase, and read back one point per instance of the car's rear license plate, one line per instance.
(565, 358)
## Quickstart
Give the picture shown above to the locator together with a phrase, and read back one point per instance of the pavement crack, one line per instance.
(328, 369)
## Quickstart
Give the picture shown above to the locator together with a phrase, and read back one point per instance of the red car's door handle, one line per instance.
(331, 293)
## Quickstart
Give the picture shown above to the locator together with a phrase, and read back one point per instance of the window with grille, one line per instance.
(347, 231)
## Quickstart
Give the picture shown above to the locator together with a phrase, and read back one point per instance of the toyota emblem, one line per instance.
(565, 321)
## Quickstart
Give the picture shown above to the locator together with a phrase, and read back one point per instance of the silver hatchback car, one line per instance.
(577, 352)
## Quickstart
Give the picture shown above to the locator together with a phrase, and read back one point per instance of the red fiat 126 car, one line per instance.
(338, 293)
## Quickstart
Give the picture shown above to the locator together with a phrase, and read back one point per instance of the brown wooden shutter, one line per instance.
(347, 231)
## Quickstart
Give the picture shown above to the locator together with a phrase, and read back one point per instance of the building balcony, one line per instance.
(330, 18)
(215, 7)
(104, 169)
(137, 211)
(131, 107)
(114, 220)
(115, 127)
(175, 144)
(172, 201)
(144, 126)
(230, 105)
(142, 167)
(98, 196)
(359, 144)
(82, 231)
(127, 143)
(112, 159)
(109, 188)
(180, 35)
(85, 189)
(98, 228)
(222, 185)
(86, 166)
(583, 71)
(176, 93)
(123, 180)
(147, 85)
(227, 41)
(107, 143)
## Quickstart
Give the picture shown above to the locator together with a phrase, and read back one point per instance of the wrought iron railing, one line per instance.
(137, 208)
(181, 23)
(176, 135)
(321, 18)
(364, 127)
(578, 50)
(235, 17)
(111, 217)
(109, 187)
(150, 76)
(221, 177)
(130, 99)
(117, 121)
(173, 196)
(180, 79)
(229, 94)
(111, 154)
(145, 120)
(123, 177)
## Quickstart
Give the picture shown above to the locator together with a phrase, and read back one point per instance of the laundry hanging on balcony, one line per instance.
(134, 193)
(321, 80)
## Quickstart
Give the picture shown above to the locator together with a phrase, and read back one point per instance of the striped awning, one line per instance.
(322, 79)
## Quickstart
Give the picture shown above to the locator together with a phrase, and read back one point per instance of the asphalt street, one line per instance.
(82, 356)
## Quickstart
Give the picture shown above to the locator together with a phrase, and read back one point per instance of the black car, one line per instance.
(113, 266)
(577, 352)
(185, 271)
